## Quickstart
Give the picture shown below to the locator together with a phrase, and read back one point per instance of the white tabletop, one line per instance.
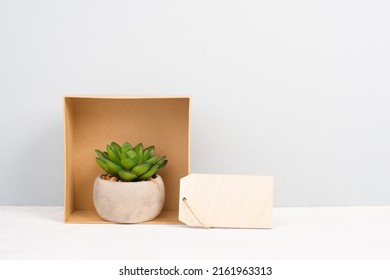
(298, 233)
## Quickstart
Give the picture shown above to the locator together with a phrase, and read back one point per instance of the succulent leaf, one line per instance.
(126, 146)
(123, 155)
(116, 148)
(102, 155)
(131, 154)
(144, 156)
(148, 153)
(103, 165)
(115, 168)
(160, 160)
(139, 149)
(127, 175)
(128, 163)
(141, 168)
(112, 155)
(162, 165)
(149, 173)
(152, 160)
(151, 151)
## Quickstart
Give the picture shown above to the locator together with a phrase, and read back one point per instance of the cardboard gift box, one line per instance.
(199, 200)
(93, 122)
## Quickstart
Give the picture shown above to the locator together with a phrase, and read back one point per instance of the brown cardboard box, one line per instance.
(93, 122)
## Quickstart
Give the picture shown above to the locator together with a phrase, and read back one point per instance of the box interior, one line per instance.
(92, 123)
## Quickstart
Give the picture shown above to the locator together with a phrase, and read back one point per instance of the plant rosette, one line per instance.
(131, 191)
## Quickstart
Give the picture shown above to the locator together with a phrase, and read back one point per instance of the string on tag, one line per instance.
(193, 214)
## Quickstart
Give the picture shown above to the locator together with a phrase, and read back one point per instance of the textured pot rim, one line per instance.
(127, 183)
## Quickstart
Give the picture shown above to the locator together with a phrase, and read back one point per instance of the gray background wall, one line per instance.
(295, 89)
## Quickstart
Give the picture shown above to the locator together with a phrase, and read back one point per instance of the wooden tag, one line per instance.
(208, 200)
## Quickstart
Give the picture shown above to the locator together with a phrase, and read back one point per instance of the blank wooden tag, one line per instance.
(236, 201)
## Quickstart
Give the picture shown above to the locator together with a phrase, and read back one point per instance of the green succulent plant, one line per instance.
(128, 163)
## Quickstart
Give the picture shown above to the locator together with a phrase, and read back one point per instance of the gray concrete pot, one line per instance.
(129, 202)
